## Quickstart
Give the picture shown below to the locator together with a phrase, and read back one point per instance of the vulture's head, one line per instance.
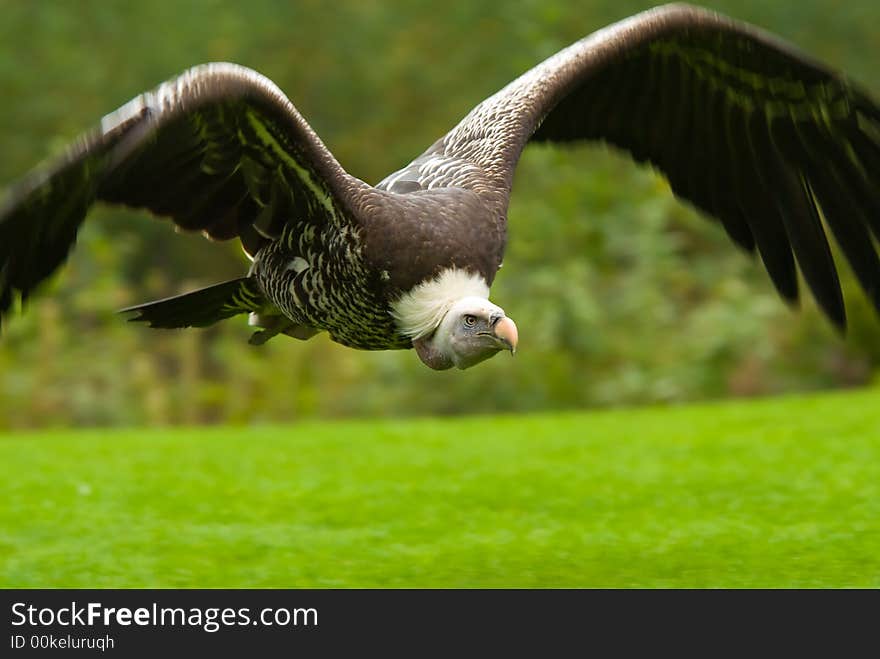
(471, 331)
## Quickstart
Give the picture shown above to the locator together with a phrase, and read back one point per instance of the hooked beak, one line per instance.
(505, 332)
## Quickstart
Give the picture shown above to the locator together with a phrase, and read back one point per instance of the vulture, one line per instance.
(755, 134)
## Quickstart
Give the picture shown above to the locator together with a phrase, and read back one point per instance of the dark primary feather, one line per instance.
(219, 150)
(752, 132)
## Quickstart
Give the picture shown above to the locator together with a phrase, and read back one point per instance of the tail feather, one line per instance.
(203, 307)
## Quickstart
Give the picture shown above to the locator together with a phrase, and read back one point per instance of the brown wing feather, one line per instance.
(744, 126)
(219, 150)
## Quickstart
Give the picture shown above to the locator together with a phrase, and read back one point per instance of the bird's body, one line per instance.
(349, 279)
(746, 128)
(337, 294)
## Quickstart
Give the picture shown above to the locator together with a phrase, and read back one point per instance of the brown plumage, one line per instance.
(748, 129)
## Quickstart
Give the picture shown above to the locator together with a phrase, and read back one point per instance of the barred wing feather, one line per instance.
(745, 127)
(218, 149)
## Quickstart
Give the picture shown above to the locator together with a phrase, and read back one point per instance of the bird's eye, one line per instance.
(469, 320)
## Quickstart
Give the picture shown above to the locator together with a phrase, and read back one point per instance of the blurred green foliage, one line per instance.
(622, 294)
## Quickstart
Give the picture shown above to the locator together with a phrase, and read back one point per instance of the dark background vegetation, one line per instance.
(622, 294)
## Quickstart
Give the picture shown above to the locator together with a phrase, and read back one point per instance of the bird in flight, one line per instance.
(755, 134)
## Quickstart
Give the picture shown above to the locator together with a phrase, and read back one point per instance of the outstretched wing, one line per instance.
(745, 127)
(218, 149)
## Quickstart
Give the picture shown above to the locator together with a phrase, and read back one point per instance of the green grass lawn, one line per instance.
(774, 493)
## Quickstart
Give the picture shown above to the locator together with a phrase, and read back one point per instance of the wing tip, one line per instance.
(838, 320)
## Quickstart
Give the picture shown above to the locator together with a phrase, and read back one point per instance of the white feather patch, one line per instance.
(298, 264)
(419, 312)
